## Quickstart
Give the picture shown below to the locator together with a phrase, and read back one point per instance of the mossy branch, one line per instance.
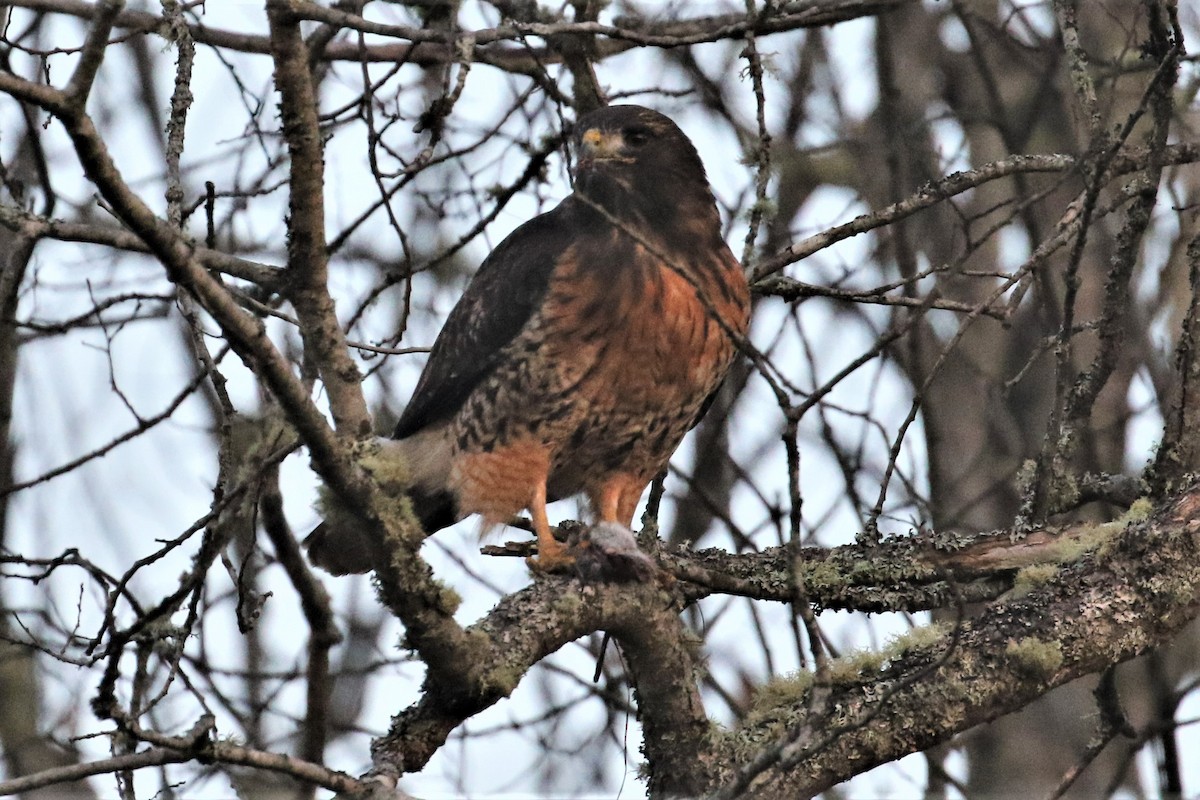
(1133, 591)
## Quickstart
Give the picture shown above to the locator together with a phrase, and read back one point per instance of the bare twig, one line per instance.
(153, 757)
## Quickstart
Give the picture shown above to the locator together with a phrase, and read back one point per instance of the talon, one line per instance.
(551, 559)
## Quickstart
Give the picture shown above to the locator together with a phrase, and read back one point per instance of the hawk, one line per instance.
(582, 351)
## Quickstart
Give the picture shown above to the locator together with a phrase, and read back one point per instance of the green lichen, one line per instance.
(1030, 578)
(383, 462)
(331, 509)
(503, 679)
(818, 574)
(763, 207)
(1066, 492)
(1035, 657)
(1091, 538)
(856, 666)
(502, 676)
(1140, 510)
(918, 638)
(448, 599)
(867, 664)
(1107, 533)
(567, 604)
(1086, 538)
(776, 699)
(401, 524)
(784, 689)
(865, 571)
(1025, 476)
(1054, 485)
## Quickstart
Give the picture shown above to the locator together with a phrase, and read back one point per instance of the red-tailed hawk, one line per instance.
(581, 352)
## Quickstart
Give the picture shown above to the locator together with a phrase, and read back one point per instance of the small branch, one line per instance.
(226, 752)
(20, 220)
(314, 601)
(131, 434)
(1120, 490)
(200, 744)
(927, 196)
(246, 333)
(1076, 392)
(1112, 724)
(1126, 161)
(1077, 61)
(181, 102)
(1179, 452)
(426, 47)
(760, 150)
(792, 290)
(154, 757)
(578, 51)
(91, 55)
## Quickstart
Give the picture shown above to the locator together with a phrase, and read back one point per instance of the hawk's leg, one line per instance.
(552, 554)
(618, 499)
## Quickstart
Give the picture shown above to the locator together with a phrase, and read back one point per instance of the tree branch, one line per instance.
(927, 570)
(1132, 593)
(19, 220)
(427, 47)
(1129, 160)
(246, 333)
(59, 776)
(308, 275)
(520, 631)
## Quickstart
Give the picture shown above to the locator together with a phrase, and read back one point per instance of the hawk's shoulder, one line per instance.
(502, 297)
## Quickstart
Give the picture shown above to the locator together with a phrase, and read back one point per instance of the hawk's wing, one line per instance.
(499, 301)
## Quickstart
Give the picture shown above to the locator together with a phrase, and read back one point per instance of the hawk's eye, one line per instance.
(635, 136)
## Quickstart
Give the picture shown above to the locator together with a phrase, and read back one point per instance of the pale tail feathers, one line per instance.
(343, 548)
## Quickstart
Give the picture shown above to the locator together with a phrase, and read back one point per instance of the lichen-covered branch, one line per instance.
(1099, 594)
(924, 571)
(308, 273)
(519, 632)
(1134, 592)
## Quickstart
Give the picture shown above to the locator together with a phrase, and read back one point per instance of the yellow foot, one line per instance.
(552, 559)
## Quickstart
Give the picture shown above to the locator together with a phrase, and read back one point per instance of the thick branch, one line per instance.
(1100, 594)
(308, 274)
(1134, 592)
(520, 631)
(676, 730)
(921, 572)
(925, 571)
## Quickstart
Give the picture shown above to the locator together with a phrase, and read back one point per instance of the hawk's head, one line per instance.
(638, 166)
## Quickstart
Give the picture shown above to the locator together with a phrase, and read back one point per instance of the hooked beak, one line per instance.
(598, 145)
